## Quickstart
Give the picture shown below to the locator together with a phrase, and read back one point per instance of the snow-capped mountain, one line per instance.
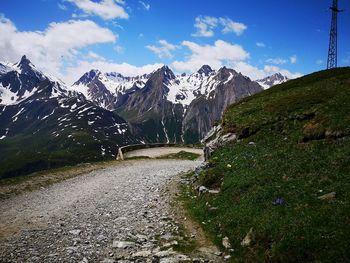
(5, 67)
(43, 124)
(182, 108)
(184, 89)
(48, 124)
(107, 89)
(22, 80)
(221, 89)
(272, 80)
(104, 88)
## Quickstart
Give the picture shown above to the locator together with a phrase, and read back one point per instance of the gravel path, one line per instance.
(161, 151)
(118, 214)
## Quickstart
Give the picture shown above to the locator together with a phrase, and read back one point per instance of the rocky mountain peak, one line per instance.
(205, 70)
(167, 72)
(278, 74)
(272, 80)
(225, 73)
(88, 77)
(114, 75)
(26, 67)
(164, 73)
(24, 61)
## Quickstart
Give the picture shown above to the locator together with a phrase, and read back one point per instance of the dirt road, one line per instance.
(117, 214)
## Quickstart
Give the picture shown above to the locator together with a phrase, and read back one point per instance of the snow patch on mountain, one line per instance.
(7, 97)
(5, 67)
(22, 80)
(184, 89)
(114, 82)
(272, 80)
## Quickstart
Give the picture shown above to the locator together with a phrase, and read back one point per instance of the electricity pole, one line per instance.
(332, 51)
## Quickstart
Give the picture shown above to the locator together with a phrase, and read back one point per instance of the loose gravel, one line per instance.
(118, 214)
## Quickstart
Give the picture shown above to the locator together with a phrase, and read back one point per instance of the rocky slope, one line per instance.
(106, 89)
(169, 108)
(229, 87)
(43, 124)
(282, 158)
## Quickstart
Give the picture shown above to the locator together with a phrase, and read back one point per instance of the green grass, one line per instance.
(301, 151)
(25, 154)
(137, 157)
(183, 155)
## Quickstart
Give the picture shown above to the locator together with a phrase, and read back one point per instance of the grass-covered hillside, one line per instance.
(43, 133)
(293, 148)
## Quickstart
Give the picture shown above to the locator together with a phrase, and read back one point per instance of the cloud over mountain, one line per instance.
(206, 25)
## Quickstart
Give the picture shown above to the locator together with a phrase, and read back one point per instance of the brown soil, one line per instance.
(203, 245)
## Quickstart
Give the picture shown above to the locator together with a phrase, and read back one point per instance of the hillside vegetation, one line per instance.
(293, 148)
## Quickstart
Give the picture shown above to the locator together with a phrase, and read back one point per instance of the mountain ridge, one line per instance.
(103, 111)
(51, 126)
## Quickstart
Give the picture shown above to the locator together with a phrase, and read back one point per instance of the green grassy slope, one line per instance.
(21, 155)
(295, 145)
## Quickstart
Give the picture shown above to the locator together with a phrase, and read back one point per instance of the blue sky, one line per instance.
(258, 38)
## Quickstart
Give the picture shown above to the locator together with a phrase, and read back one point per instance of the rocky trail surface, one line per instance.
(119, 214)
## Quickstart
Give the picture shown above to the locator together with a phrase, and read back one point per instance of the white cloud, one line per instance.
(62, 6)
(269, 70)
(146, 6)
(119, 49)
(256, 73)
(94, 56)
(106, 9)
(280, 61)
(219, 54)
(206, 24)
(225, 54)
(57, 51)
(77, 16)
(164, 50)
(260, 44)
(277, 61)
(293, 59)
(73, 72)
(49, 50)
(232, 27)
(319, 62)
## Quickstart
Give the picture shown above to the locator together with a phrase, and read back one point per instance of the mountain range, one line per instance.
(168, 107)
(45, 123)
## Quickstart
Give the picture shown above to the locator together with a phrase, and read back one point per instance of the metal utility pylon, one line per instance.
(332, 51)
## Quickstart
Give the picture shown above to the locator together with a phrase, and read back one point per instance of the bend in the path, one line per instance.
(86, 217)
